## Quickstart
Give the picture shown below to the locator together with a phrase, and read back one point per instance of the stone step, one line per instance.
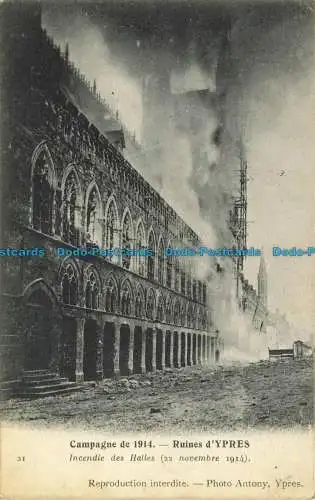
(55, 392)
(37, 372)
(38, 376)
(50, 387)
(43, 381)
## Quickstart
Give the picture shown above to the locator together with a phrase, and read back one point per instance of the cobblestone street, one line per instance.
(195, 399)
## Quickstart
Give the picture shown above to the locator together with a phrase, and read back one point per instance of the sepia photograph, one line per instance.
(157, 216)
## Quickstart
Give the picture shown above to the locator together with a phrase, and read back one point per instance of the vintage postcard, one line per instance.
(157, 249)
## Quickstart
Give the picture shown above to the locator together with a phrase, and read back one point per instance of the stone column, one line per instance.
(99, 350)
(79, 375)
(203, 349)
(163, 348)
(143, 348)
(198, 346)
(207, 349)
(191, 349)
(179, 349)
(153, 349)
(56, 348)
(117, 348)
(171, 348)
(186, 349)
(131, 347)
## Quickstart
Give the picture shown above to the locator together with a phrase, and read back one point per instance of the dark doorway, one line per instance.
(40, 319)
(108, 349)
(148, 350)
(137, 350)
(124, 350)
(202, 348)
(199, 348)
(68, 348)
(205, 352)
(182, 349)
(212, 349)
(188, 349)
(207, 349)
(175, 350)
(168, 349)
(194, 346)
(159, 348)
(90, 349)
(217, 355)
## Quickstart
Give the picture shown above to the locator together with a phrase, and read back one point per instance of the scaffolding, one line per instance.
(238, 216)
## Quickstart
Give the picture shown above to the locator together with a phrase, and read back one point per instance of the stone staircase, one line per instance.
(41, 383)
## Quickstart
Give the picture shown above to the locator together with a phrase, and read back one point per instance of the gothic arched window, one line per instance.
(71, 210)
(160, 310)
(204, 293)
(92, 292)
(93, 218)
(126, 242)
(177, 315)
(199, 293)
(188, 285)
(69, 286)
(110, 296)
(194, 318)
(204, 320)
(140, 244)
(177, 275)
(125, 299)
(194, 290)
(161, 262)
(169, 271)
(169, 313)
(197, 319)
(150, 305)
(43, 194)
(183, 315)
(189, 316)
(139, 305)
(111, 227)
(182, 281)
(151, 258)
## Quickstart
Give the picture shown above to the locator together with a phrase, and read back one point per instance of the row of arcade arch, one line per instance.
(80, 219)
(93, 346)
(124, 298)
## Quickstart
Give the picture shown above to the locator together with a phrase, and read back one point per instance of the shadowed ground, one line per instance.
(264, 395)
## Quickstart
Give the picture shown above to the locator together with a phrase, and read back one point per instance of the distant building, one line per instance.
(301, 349)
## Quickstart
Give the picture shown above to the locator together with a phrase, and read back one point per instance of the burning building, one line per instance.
(66, 184)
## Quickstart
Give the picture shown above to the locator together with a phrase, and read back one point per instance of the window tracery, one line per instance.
(69, 286)
(43, 194)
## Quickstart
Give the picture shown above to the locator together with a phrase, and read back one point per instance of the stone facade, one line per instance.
(67, 184)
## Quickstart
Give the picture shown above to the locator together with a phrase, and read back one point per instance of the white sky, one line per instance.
(277, 107)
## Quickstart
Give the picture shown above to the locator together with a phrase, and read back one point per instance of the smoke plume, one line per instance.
(167, 92)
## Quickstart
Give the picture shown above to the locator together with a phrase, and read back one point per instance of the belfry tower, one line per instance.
(262, 283)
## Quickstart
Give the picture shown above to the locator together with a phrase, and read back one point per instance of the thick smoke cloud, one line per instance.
(152, 79)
